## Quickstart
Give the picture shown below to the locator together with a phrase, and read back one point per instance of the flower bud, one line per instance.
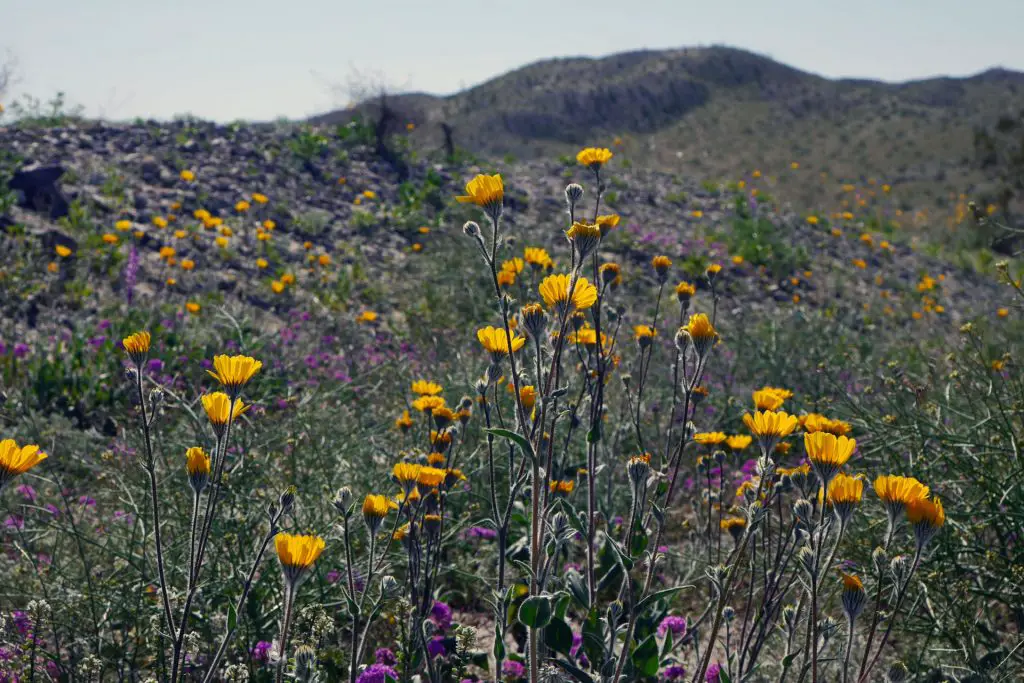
(471, 228)
(897, 673)
(343, 501)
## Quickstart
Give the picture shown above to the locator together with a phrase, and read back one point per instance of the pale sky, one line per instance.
(261, 59)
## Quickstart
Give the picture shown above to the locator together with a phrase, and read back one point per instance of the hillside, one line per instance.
(722, 113)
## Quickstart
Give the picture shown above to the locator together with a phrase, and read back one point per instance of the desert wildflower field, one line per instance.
(275, 408)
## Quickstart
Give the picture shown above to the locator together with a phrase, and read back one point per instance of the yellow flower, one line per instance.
(644, 334)
(166, 252)
(1003, 312)
(234, 372)
(242, 206)
(424, 387)
(506, 278)
(896, 492)
(377, 506)
(611, 274)
(562, 488)
(737, 260)
(528, 396)
(52, 267)
(514, 266)
(738, 442)
(795, 165)
(712, 270)
(428, 403)
(593, 157)
(277, 286)
(261, 263)
(701, 332)
(366, 317)
(770, 426)
(844, 493)
(584, 237)
(684, 291)
(405, 475)
(709, 438)
(927, 517)
(192, 307)
(404, 423)
(369, 194)
(827, 452)
(661, 264)
(697, 213)
(734, 525)
(766, 399)
(218, 406)
(324, 259)
(554, 289)
(188, 176)
(260, 198)
(429, 477)
(15, 460)
(222, 242)
(487, 192)
(62, 251)
(496, 342)
(297, 554)
(607, 223)
(197, 461)
(538, 257)
(137, 346)
(197, 465)
(160, 222)
(110, 238)
(814, 422)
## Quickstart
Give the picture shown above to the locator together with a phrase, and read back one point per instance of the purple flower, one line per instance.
(673, 673)
(103, 324)
(22, 622)
(435, 648)
(481, 532)
(512, 669)
(97, 342)
(87, 501)
(155, 365)
(677, 625)
(441, 614)
(385, 656)
(714, 673)
(20, 350)
(53, 509)
(261, 653)
(333, 576)
(122, 516)
(377, 673)
(14, 522)
(27, 492)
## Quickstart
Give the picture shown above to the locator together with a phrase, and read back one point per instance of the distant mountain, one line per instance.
(720, 112)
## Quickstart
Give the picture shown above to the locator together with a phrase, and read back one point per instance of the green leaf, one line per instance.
(658, 595)
(558, 636)
(535, 611)
(645, 656)
(232, 618)
(626, 562)
(517, 439)
(723, 676)
(578, 589)
(499, 649)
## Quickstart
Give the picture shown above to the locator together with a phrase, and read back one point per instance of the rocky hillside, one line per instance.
(722, 113)
(271, 218)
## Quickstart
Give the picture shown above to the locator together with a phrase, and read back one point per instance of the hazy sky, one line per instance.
(260, 59)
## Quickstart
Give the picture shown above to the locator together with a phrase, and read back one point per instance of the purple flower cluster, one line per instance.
(261, 652)
(673, 673)
(377, 673)
(677, 625)
(512, 670)
(481, 532)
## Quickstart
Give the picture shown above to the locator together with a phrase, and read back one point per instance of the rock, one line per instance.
(38, 191)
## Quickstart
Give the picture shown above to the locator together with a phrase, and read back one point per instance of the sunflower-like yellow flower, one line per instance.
(607, 223)
(644, 333)
(734, 525)
(429, 477)
(443, 416)
(487, 192)
(701, 333)
(661, 264)
(685, 291)
(137, 347)
(405, 475)
(513, 265)
(710, 438)
(767, 399)
(770, 427)
(377, 506)
(16, 460)
(554, 289)
(528, 396)
(218, 407)
(197, 465)
(401, 533)
(584, 237)
(234, 372)
(738, 442)
(815, 422)
(897, 492)
(297, 553)
(927, 517)
(427, 404)
(496, 342)
(844, 493)
(853, 596)
(562, 487)
(593, 157)
(828, 452)
(538, 258)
